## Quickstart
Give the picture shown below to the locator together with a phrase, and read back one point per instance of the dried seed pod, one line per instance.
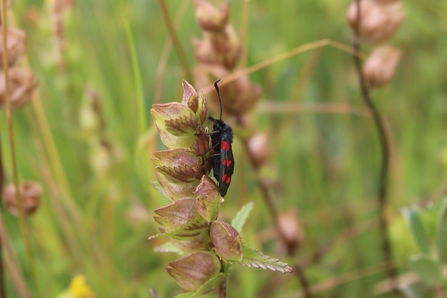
(16, 46)
(208, 199)
(227, 241)
(174, 216)
(205, 53)
(30, 193)
(195, 102)
(58, 6)
(188, 230)
(179, 164)
(175, 190)
(240, 95)
(379, 20)
(22, 84)
(381, 66)
(290, 229)
(259, 148)
(194, 270)
(225, 44)
(211, 18)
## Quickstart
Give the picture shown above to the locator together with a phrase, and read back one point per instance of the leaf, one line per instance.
(158, 187)
(428, 269)
(168, 247)
(417, 230)
(441, 234)
(256, 259)
(239, 221)
(208, 286)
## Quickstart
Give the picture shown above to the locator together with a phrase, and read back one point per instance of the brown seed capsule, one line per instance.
(210, 17)
(240, 95)
(180, 164)
(379, 20)
(227, 241)
(22, 84)
(291, 230)
(174, 216)
(259, 148)
(194, 270)
(175, 190)
(205, 53)
(226, 44)
(381, 66)
(16, 46)
(182, 222)
(208, 199)
(30, 193)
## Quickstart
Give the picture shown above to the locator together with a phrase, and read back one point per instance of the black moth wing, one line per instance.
(223, 162)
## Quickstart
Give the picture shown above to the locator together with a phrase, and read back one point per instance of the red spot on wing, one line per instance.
(225, 145)
(227, 162)
(227, 181)
(224, 177)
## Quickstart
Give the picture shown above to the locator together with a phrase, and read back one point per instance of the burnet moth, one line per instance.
(222, 153)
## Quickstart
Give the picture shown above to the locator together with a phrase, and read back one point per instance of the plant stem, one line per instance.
(299, 272)
(16, 276)
(177, 45)
(223, 289)
(23, 228)
(385, 147)
(2, 267)
(136, 72)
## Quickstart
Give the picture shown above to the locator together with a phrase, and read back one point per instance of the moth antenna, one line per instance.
(218, 95)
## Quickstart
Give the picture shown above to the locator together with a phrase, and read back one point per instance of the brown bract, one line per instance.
(210, 17)
(208, 199)
(381, 65)
(379, 20)
(260, 149)
(239, 97)
(194, 270)
(290, 229)
(30, 193)
(227, 241)
(174, 189)
(179, 163)
(16, 44)
(22, 83)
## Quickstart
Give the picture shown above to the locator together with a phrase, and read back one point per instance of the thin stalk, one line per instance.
(23, 228)
(223, 289)
(298, 50)
(177, 45)
(136, 72)
(244, 33)
(2, 267)
(385, 148)
(267, 196)
(13, 265)
(2, 271)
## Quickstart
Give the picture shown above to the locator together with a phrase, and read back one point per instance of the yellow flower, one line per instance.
(78, 289)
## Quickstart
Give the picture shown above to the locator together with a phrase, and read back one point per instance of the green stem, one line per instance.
(136, 72)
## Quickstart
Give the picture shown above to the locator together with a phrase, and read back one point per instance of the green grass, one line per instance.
(326, 163)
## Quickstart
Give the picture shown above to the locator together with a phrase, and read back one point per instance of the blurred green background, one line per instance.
(327, 164)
